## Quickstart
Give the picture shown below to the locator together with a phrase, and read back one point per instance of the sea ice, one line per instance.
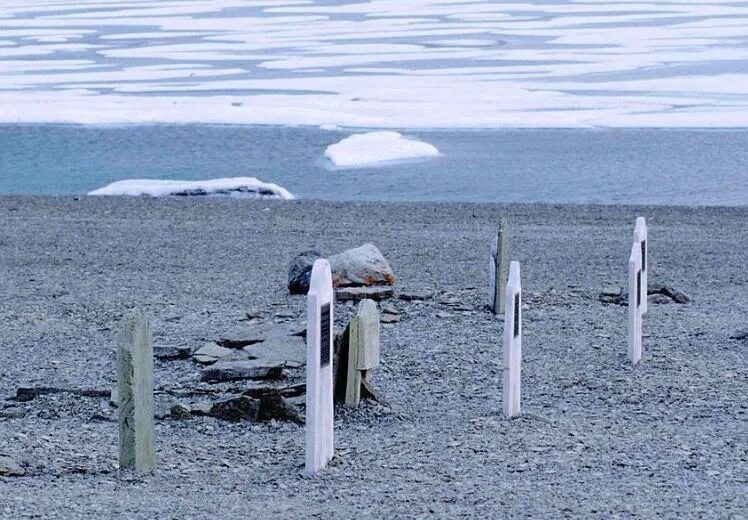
(376, 63)
(234, 186)
(377, 147)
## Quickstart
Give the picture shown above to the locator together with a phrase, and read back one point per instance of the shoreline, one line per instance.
(218, 199)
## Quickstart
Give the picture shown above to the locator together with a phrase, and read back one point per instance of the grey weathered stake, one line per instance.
(137, 448)
(499, 267)
(363, 349)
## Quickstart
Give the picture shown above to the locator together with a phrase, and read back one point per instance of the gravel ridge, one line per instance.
(597, 439)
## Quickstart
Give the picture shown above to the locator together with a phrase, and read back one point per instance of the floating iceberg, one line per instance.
(377, 147)
(233, 186)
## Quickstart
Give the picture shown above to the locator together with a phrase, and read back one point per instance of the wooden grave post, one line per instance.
(319, 384)
(640, 237)
(363, 349)
(513, 343)
(635, 300)
(137, 447)
(498, 269)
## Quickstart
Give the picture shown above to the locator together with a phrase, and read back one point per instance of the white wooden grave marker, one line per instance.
(498, 268)
(640, 238)
(513, 343)
(137, 447)
(319, 384)
(635, 300)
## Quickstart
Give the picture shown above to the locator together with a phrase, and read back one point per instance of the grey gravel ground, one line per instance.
(598, 439)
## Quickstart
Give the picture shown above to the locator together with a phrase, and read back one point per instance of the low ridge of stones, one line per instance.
(658, 294)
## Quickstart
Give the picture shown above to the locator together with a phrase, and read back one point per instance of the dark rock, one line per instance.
(98, 417)
(389, 318)
(656, 288)
(274, 406)
(666, 290)
(679, 297)
(416, 296)
(235, 409)
(171, 352)
(237, 370)
(362, 266)
(377, 293)
(613, 296)
(659, 299)
(740, 335)
(12, 413)
(300, 272)
(180, 412)
(24, 394)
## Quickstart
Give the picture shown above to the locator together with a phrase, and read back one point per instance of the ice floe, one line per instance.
(377, 147)
(234, 186)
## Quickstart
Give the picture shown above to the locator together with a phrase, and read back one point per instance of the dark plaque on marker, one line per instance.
(324, 335)
(516, 315)
(638, 288)
(644, 255)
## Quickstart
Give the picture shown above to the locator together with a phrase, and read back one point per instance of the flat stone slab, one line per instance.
(172, 352)
(390, 318)
(376, 293)
(282, 346)
(279, 351)
(237, 370)
(210, 353)
(412, 296)
(246, 334)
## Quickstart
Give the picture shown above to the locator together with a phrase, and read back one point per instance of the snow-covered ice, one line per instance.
(377, 147)
(235, 186)
(376, 63)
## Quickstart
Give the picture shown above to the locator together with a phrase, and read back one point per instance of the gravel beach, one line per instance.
(597, 438)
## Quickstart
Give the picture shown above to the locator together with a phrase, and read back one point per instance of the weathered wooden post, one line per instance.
(513, 343)
(498, 269)
(319, 384)
(137, 448)
(363, 349)
(635, 300)
(640, 237)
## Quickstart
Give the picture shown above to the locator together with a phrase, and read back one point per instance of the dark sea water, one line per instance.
(636, 166)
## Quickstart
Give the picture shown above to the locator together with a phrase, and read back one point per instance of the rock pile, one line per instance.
(10, 468)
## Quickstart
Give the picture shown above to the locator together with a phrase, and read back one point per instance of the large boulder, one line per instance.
(300, 272)
(240, 408)
(362, 266)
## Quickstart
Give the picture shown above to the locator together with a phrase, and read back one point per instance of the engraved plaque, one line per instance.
(638, 288)
(644, 255)
(324, 335)
(497, 276)
(516, 315)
